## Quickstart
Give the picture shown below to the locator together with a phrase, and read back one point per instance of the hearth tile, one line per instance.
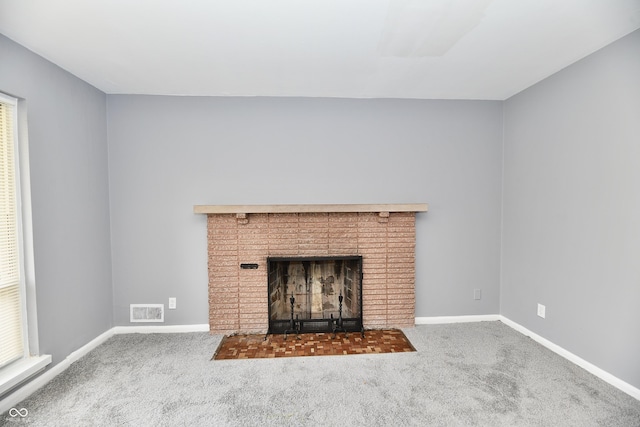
(255, 346)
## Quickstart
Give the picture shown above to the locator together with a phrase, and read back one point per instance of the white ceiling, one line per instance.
(430, 49)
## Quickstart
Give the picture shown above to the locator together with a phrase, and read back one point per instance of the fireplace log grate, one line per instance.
(320, 294)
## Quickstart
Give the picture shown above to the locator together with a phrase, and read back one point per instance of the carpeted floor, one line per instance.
(252, 346)
(475, 374)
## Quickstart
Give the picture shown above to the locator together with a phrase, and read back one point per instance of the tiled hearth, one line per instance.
(253, 346)
(384, 235)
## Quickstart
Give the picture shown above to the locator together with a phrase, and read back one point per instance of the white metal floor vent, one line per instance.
(146, 312)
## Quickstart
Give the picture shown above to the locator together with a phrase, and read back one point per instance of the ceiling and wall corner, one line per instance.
(440, 49)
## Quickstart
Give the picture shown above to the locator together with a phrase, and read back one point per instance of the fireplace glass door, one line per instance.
(315, 294)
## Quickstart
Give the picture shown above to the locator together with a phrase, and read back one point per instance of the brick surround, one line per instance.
(238, 299)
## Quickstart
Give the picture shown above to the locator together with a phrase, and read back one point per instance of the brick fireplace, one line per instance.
(242, 238)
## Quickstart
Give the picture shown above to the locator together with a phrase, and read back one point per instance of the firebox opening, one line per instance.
(325, 290)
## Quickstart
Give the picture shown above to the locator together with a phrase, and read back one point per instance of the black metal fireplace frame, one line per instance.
(348, 324)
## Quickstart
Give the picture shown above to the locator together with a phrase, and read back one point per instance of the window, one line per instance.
(18, 334)
(12, 333)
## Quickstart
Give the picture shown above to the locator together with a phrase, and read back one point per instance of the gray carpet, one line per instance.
(483, 374)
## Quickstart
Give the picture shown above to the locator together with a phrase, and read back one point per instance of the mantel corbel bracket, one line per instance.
(242, 218)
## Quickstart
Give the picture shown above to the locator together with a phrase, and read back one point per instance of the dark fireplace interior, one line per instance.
(319, 294)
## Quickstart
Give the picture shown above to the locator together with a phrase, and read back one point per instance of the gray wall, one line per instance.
(167, 154)
(70, 204)
(571, 234)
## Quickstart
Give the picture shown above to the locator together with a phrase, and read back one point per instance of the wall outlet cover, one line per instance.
(477, 294)
(542, 310)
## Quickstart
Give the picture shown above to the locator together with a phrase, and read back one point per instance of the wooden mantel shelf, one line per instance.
(249, 209)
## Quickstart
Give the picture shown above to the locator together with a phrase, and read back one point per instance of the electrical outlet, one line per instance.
(542, 310)
(172, 303)
(477, 293)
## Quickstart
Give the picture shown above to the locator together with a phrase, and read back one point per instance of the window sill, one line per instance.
(17, 372)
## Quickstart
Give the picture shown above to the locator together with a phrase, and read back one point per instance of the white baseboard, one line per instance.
(160, 329)
(437, 320)
(31, 387)
(589, 367)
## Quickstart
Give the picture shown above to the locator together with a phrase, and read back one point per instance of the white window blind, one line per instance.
(11, 327)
